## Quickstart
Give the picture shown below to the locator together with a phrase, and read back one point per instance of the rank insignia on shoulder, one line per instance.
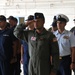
(66, 37)
(33, 38)
(54, 39)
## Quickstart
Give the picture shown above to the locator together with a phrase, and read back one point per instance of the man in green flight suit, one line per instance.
(42, 44)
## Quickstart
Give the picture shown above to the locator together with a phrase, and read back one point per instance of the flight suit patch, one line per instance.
(66, 37)
(33, 38)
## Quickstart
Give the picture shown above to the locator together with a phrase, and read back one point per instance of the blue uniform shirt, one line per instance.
(66, 40)
(6, 42)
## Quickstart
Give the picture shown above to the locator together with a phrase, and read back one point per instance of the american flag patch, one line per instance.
(33, 38)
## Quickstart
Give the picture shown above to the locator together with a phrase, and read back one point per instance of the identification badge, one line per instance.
(33, 38)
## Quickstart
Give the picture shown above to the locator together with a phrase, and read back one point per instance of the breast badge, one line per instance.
(66, 37)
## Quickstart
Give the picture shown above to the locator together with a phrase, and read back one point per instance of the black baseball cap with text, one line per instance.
(38, 15)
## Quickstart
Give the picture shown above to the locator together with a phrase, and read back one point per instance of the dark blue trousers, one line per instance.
(25, 67)
(4, 68)
(64, 66)
(15, 67)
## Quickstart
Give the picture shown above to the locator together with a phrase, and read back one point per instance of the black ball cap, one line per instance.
(10, 18)
(2, 18)
(38, 15)
(30, 17)
(54, 24)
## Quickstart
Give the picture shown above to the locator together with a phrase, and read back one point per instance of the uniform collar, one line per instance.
(57, 32)
(42, 32)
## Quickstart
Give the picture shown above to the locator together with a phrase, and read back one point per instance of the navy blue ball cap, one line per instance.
(30, 17)
(38, 15)
(2, 18)
(54, 24)
(10, 18)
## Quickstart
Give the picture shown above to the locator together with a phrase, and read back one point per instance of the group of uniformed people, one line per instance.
(41, 45)
(66, 44)
(43, 52)
(9, 47)
(24, 47)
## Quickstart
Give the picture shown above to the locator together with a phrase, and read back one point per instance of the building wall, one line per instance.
(23, 8)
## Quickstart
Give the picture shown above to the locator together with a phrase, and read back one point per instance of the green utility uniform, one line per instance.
(41, 46)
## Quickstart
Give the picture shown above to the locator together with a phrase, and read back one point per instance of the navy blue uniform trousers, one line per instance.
(64, 66)
(4, 68)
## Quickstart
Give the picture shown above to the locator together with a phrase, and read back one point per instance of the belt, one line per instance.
(62, 57)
